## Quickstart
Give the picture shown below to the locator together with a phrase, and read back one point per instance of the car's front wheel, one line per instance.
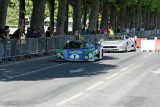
(101, 54)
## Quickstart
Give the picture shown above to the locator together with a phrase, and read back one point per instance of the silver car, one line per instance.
(119, 43)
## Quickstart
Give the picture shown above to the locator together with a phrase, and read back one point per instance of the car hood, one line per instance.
(70, 52)
(112, 43)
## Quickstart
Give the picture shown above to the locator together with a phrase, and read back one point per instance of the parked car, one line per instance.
(119, 43)
(80, 50)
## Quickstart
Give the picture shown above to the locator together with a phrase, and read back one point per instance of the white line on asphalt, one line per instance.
(149, 55)
(99, 83)
(133, 65)
(108, 78)
(33, 72)
(146, 56)
(70, 99)
(125, 69)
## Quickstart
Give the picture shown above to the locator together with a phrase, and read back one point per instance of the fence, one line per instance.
(39, 46)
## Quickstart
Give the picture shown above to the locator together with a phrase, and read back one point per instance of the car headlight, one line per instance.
(88, 56)
(120, 47)
(60, 55)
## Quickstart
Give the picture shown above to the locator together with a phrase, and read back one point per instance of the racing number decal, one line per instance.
(74, 56)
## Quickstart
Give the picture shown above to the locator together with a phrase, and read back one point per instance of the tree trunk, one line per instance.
(22, 14)
(143, 19)
(147, 21)
(51, 10)
(105, 12)
(61, 17)
(151, 20)
(37, 19)
(3, 12)
(121, 19)
(93, 15)
(127, 24)
(132, 18)
(155, 20)
(84, 17)
(66, 17)
(138, 17)
(77, 16)
(113, 16)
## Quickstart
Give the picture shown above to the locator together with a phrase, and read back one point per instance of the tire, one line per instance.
(101, 54)
(135, 48)
(127, 50)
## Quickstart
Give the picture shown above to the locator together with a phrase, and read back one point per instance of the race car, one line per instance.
(119, 43)
(80, 50)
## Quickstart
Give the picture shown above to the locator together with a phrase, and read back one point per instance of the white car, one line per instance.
(119, 43)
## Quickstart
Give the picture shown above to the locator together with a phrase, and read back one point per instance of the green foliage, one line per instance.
(13, 13)
(142, 5)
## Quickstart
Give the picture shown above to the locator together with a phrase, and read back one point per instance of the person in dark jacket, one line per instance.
(18, 33)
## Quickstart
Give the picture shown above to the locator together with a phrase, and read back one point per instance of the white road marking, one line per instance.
(70, 99)
(133, 65)
(32, 72)
(124, 69)
(108, 78)
(99, 83)
(149, 55)
(156, 72)
(76, 71)
(146, 56)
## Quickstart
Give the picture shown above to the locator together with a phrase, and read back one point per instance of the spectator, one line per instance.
(94, 31)
(127, 30)
(110, 31)
(2, 37)
(52, 31)
(29, 33)
(102, 30)
(33, 32)
(118, 29)
(37, 33)
(78, 35)
(141, 29)
(7, 31)
(18, 33)
(48, 32)
(133, 29)
(86, 31)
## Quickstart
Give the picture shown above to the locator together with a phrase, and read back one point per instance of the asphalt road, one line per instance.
(119, 80)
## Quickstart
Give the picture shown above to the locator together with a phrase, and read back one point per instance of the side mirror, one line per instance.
(60, 47)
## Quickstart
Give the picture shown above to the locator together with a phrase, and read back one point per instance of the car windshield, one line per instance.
(111, 38)
(77, 45)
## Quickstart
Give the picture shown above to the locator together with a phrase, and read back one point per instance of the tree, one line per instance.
(37, 19)
(61, 17)
(3, 12)
(113, 16)
(22, 14)
(105, 12)
(77, 16)
(93, 16)
(51, 11)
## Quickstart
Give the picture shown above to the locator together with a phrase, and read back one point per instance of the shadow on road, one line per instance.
(62, 71)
